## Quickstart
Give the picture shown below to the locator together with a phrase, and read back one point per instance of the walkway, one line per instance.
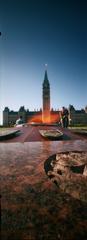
(33, 208)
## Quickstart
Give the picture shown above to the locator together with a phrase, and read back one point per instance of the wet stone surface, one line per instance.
(30, 133)
(33, 208)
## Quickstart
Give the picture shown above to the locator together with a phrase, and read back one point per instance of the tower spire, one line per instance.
(46, 81)
(46, 76)
(46, 98)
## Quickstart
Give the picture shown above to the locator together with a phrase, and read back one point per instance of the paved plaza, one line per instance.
(30, 133)
(33, 207)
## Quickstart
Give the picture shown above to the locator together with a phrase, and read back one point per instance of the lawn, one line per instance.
(78, 128)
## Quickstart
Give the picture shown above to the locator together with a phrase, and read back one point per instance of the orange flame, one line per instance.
(37, 118)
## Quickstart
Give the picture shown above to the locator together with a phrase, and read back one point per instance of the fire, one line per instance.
(38, 118)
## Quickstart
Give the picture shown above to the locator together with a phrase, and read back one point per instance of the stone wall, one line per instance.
(77, 116)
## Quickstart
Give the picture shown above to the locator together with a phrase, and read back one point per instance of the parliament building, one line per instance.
(46, 114)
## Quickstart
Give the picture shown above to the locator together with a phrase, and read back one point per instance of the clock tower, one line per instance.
(46, 99)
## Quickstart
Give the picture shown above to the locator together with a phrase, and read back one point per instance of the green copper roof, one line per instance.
(46, 78)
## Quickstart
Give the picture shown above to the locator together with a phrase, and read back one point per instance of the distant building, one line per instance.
(46, 99)
(46, 114)
(77, 116)
(10, 117)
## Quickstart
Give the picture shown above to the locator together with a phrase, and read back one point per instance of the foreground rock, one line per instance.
(69, 172)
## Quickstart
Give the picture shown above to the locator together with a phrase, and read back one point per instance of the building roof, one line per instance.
(46, 81)
(13, 113)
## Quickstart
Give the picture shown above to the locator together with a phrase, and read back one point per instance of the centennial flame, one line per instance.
(38, 118)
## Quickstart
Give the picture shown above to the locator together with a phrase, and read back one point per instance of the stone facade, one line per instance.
(10, 117)
(77, 116)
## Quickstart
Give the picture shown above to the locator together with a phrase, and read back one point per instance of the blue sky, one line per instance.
(35, 32)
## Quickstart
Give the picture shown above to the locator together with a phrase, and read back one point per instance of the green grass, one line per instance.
(78, 128)
(4, 128)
